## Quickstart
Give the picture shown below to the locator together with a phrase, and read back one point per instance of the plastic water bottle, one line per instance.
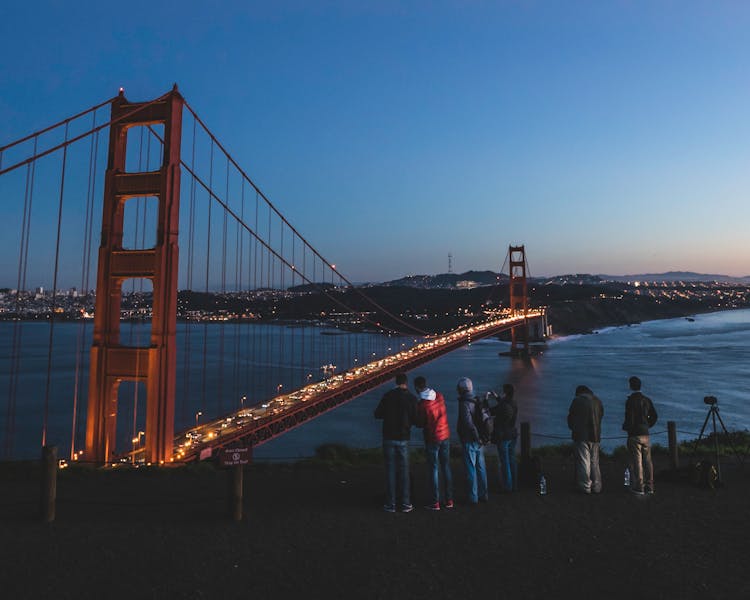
(627, 477)
(542, 486)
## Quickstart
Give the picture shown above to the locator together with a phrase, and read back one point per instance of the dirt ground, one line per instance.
(319, 532)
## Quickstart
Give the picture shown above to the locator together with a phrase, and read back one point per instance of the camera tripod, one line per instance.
(713, 414)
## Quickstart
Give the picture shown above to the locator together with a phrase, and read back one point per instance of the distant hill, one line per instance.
(676, 276)
(449, 280)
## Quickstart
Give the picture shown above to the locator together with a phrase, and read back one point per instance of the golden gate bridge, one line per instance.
(219, 239)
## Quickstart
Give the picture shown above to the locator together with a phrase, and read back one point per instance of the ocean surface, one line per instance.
(680, 361)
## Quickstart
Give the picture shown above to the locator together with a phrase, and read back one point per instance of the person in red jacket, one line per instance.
(433, 417)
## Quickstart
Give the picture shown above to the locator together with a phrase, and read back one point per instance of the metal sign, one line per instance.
(237, 455)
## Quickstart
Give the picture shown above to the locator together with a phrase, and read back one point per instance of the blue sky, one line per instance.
(608, 137)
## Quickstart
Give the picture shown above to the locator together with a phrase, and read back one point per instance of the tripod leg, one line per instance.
(700, 435)
(714, 411)
(729, 439)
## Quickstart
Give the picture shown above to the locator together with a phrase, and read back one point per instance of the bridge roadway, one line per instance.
(258, 424)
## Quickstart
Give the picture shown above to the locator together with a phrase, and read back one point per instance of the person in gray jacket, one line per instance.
(585, 422)
(476, 472)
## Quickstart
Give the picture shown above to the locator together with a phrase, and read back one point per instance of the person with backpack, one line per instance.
(585, 422)
(433, 417)
(398, 410)
(471, 412)
(505, 436)
(640, 416)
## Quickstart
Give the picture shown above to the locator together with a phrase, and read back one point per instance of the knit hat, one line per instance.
(465, 385)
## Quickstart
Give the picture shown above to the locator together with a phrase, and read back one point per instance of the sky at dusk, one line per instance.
(608, 137)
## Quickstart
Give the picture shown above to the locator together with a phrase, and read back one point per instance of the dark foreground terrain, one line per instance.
(313, 531)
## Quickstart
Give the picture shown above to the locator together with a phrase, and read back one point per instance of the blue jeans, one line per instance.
(506, 452)
(396, 454)
(439, 452)
(476, 473)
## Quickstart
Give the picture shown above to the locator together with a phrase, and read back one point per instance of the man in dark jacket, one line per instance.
(585, 422)
(398, 409)
(640, 416)
(505, 436)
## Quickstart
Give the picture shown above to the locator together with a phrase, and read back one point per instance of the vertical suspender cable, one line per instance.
(54, 294)
(189, 284)
(20, 287)
(238, 264)
(221, 324)
(81, 340)
(208, 270)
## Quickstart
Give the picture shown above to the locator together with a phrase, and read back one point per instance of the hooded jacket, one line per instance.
(467, 407)
(585, 417)
(433, 416)
(640, 414)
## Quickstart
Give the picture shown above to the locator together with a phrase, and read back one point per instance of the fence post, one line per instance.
(525, 443)
(49, 483)
(235, 495)
(674, 458)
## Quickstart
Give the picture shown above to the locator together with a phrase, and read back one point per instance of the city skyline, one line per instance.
(606, 138)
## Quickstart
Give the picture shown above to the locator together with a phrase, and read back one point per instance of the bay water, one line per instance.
(679, 361)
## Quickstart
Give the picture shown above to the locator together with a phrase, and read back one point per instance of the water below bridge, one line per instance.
(679, 361)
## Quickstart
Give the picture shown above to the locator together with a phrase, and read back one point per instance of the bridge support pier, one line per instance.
(155, 364)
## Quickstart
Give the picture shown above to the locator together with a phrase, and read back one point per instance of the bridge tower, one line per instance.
(519, 299)
(155, 364)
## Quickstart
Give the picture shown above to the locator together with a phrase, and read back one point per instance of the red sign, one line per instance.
(235, 456)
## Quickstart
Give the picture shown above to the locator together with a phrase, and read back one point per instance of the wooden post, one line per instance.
(49, 483)
(674, 458)
(235, 492)
(525, 443)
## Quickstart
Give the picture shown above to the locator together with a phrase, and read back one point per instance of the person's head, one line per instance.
(464, 386)
(401, 379)
(583, 389)
(420, 383)
(635, 384)
(508, 390)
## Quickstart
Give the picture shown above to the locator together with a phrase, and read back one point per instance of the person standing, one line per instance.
(640, 416)
(397, 409)
(433, 417)
(476, 473)
(585, 422)
(505, 437)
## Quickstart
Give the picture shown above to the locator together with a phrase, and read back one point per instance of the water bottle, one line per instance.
(627, 477)
(542, 486)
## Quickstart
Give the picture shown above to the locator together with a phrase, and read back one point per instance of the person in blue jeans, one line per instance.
(504, 436)
(398, 410)
(476, 472)
(433, 418)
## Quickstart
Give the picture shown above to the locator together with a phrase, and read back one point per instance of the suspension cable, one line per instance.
(288, 224)
(58, 124)
(71, 141)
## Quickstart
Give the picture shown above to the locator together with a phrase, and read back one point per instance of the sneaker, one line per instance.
(389, 508)
(650, 491)
(406, 508)
(435, 506)
(637, 492)
(449, 504)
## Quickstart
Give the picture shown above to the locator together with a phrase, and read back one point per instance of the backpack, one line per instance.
(483, 421)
